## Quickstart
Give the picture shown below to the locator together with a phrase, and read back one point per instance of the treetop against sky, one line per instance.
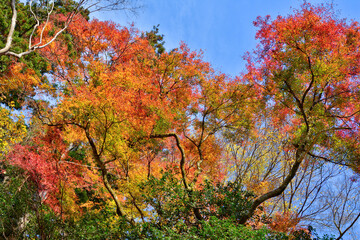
(222, 29)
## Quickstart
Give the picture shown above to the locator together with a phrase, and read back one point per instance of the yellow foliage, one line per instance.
(12, 129)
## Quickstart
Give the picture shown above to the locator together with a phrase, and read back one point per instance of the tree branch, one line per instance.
(11, 31)
(182, 168)
(104, 174)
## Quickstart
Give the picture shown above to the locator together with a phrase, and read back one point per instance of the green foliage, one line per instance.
(22, 214)
(24, 26)
(226, 201)
(156, 40)
(222, 206)
(212, 229)
(171, 202)
(96, 225)
(14, 200)
(101, 222)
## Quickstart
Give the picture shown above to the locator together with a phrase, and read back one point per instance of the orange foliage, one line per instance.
(286, 222)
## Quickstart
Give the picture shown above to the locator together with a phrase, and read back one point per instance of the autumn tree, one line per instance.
(116, 93)
(306, 66)
(28, 27)
(23, 28)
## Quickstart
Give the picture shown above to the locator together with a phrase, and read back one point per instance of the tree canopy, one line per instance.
(108, 135)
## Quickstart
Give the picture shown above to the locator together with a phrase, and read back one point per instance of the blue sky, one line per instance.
(222, 29)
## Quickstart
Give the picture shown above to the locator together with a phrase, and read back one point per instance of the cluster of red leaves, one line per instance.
(48, 166)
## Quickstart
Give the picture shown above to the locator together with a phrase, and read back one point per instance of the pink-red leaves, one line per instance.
(48, 166)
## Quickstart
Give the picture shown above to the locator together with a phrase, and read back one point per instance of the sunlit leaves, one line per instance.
(307, 65)
(12, 130)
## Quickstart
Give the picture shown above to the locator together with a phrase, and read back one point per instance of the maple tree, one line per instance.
(306, 67)
(157, 92)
